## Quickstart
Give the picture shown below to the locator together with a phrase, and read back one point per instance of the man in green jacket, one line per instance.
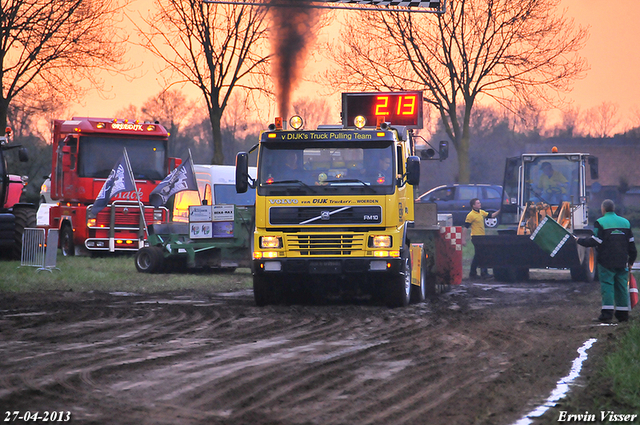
(616, 249)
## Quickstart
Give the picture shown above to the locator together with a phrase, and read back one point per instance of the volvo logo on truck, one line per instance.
(283, 201)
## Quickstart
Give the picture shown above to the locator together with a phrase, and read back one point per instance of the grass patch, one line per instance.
(622, 371)
(116, 273)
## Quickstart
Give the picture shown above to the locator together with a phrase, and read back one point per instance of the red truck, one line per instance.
(84, 153)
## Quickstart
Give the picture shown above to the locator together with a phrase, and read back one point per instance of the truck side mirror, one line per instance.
(593, 167)
(444, 150)
(427, 153)
(242, 172)
(23, 155)
(413, 170)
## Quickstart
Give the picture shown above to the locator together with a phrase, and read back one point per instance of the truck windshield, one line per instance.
(339, 168)
(98, 154)
(552, 180)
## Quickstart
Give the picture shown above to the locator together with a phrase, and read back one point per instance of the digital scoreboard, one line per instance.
(397, 108)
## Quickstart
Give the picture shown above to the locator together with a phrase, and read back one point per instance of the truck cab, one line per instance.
(548, 178)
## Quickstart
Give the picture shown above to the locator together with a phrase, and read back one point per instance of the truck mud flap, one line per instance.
(520, 251)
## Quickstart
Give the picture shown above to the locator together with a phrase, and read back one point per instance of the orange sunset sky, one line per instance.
(611, 51)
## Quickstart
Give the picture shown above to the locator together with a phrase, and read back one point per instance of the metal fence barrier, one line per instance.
(38, 251)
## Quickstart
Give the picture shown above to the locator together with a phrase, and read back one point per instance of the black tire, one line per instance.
(587, 270)
(419, 293)
(66, 241)
(149, 259)
(25, 217)
(522, 274)
(263, 290)
(504, 274)
(399, 287)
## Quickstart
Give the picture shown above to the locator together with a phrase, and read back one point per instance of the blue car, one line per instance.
(454, 199)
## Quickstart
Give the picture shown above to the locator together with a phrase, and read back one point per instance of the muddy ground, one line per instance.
(484, 353)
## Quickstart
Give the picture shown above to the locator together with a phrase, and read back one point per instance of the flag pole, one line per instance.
(194, 176)
(135, 187)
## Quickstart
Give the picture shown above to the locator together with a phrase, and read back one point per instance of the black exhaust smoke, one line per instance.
(294, 29)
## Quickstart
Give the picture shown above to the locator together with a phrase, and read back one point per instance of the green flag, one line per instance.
(550, 236)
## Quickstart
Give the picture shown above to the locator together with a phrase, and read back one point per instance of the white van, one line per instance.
(217, 185)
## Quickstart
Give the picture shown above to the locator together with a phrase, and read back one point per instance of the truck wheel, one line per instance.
(66, 241)
(586, 272)
(399, 289)
(419, 293)
(24, 218)
(504, 274)
(263, 290)
(522, 274)
(149, 259)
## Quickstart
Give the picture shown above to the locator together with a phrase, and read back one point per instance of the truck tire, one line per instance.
(522, 274)
(511, 274)
(586, 272)
(399, 287)
(263, 291)
(419, 293)
(66, 241)
(24, 217)
(504, 274)
(149, 259)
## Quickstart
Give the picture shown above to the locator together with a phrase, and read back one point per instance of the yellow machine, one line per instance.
(538, 185)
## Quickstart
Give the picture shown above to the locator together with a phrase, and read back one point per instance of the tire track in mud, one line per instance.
(221, 360)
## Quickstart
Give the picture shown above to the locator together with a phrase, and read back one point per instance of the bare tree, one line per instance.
(570, 124)
(51, 46)
(314, 112)
(216, 47)
(601, 120)
(169, 107)
(508, 50)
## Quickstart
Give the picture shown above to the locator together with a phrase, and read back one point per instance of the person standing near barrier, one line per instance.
(616, 249)
(475, 221)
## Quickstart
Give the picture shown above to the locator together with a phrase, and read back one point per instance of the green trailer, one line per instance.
(217, 237)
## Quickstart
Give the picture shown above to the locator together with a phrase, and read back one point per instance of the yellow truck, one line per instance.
(335, 211)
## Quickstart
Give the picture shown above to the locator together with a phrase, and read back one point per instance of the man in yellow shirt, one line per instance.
(475, 221)
(553, 184)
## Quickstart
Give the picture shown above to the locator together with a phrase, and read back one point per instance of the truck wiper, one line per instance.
(365, 184)
(301, 183)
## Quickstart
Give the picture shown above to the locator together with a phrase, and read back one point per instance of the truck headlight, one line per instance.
(380, 241)
(91, 222)
(157, 215)
(270, 242)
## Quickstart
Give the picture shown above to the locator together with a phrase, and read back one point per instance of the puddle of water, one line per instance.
(37, 313)
(123, 294)
(562, 388)
(175, 301)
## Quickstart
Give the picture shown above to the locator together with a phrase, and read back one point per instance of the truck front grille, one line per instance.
(326, 216)
(325, 244)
